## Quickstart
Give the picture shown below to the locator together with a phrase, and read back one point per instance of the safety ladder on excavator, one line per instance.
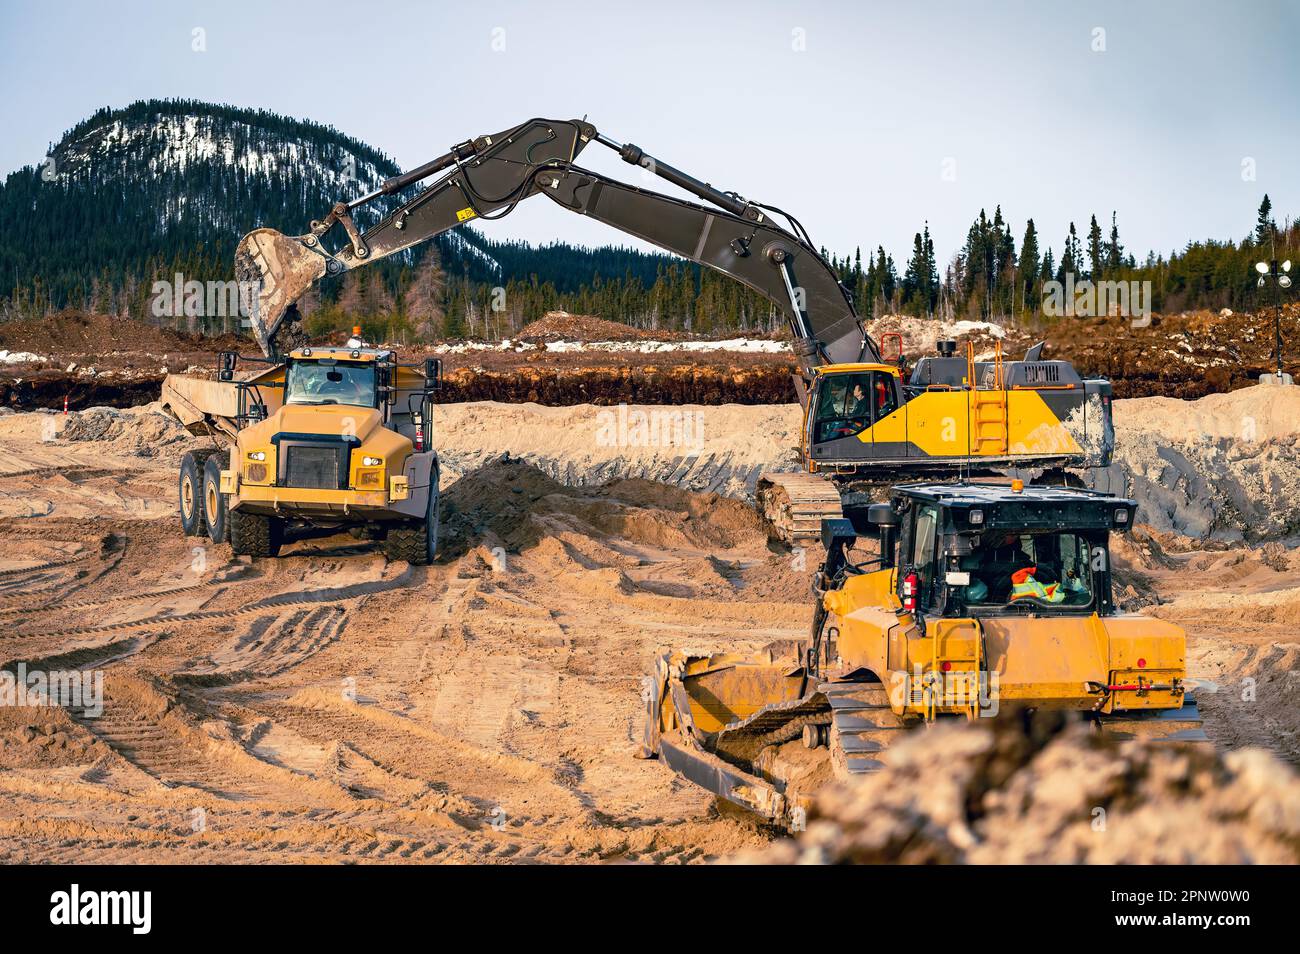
(988, 406)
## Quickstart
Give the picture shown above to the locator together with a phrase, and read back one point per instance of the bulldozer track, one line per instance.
(108, 600)
(863, 726)
(42, 567)
(85, 472)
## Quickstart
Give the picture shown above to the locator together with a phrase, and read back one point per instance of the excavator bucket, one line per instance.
(273, 271)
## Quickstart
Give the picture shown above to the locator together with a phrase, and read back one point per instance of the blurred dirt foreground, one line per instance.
(1033, 789)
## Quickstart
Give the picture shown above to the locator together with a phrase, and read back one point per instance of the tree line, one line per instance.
(135, 196)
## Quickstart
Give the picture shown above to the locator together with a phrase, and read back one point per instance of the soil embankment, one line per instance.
(565, 360)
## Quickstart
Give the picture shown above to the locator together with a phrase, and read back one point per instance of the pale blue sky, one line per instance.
(850, 133)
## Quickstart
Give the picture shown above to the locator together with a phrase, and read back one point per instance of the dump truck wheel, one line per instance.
(416, 543)
(193, 521)
(254, 535)
(214, 502)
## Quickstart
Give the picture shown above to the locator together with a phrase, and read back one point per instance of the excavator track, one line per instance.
(794, 505)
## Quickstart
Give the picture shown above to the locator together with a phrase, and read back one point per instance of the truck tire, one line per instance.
(190, 492)
(252, 534)
(416, 542)
(214, 501)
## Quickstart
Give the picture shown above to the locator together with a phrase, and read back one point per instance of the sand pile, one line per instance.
(715, 449)
(1034, 790)
(140, 431)
(513, 503)
(1226, 466)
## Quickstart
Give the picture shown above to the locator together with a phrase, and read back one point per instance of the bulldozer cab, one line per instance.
(995, 550)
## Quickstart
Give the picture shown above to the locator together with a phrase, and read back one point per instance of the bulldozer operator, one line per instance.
(1006, 573)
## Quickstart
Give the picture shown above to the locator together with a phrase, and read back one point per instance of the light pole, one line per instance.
(1281, 280)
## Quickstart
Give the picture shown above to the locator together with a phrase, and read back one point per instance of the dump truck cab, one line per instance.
(951, 602)
(330, 437)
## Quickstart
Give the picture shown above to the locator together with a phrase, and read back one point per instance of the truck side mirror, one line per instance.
(227, 370)
(432, 374)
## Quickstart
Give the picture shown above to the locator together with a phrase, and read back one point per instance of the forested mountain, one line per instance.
(132, 196)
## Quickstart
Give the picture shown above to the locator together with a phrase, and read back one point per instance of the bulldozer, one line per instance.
(868, 422)
(979, 595)
(323, 439)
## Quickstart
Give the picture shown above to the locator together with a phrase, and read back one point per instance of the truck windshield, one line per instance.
(341, 383)
(1042, 570)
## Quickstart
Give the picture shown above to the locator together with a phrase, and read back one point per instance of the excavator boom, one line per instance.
(486, 178)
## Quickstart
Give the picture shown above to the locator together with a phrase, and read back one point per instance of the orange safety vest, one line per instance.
(1024, 584)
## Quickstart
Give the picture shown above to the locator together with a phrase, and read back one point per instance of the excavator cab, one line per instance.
(846, 400)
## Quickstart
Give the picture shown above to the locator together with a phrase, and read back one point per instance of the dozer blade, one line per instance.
(273, 271)
(755, 731)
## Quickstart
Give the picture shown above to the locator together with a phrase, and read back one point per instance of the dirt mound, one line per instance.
(1034, 790)
(77, 332)
(139, 431)
(710, 449)
(513, 503)
(921, 335)
(44, 737)
(1185, 355)
(1225, 467)
(560, 325)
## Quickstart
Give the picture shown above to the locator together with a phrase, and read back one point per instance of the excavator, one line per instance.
(867, 422)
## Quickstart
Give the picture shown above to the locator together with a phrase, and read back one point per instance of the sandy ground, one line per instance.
(327, 706)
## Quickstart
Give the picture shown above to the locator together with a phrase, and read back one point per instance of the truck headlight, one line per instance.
(975, 517)
(257, 455)
(1121, 516)
(371, 461)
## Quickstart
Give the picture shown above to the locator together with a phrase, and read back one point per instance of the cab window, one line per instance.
(848, 404)
(316, 382)
(923, 542)
(1044, 570)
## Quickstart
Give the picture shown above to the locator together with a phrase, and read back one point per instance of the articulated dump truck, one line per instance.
(325, 438)
(982, 595)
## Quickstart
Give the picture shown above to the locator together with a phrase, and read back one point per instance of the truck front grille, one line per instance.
(312, 467)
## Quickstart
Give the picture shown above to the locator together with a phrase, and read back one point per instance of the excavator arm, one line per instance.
(486, 178)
